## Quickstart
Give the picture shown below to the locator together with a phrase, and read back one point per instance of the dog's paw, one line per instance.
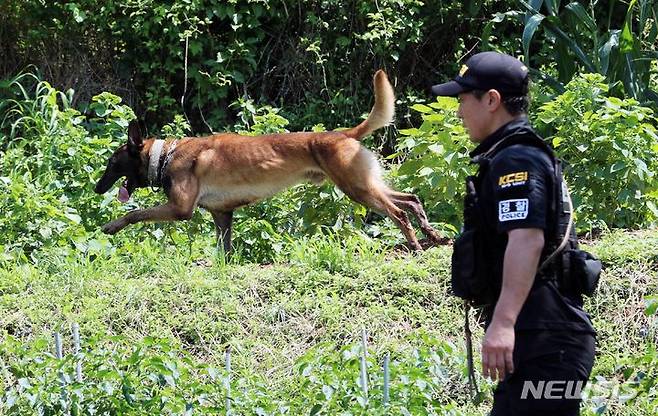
(433, 242)
(433, 235)
(113, 227)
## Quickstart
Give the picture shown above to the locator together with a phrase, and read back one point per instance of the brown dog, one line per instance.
(226, 171)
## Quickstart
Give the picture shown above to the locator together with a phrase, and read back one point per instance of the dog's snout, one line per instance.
(104, 184)
(98, 188)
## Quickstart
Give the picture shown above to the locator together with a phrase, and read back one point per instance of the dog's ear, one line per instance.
(135, 141)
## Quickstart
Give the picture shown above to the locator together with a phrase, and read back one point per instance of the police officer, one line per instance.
(538, 343)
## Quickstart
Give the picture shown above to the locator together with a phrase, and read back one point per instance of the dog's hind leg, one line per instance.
(223, 224)
(412, 203)
(356, 172)
(375, 197)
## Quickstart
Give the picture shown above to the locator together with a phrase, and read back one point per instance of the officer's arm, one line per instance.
(522, 255)
(524, 247)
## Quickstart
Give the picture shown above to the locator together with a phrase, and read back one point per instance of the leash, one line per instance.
(472, 382)
(565, 239)
(182, 98)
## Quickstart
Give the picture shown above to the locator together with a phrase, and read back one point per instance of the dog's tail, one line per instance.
(382, 112)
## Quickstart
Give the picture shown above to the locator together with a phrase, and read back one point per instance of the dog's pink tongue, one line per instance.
(123, 195)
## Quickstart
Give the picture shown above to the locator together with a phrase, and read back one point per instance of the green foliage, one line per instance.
(584, 36)
(334, 252)
(155, 325)
(625, 246)
(316, 56)
(625, 368)
(610, 147)
(154, 377)
(148, 378)
(420, 376)
(177, 128)
(52, 155)
(264, 313)
(436, 161)
(255, 120)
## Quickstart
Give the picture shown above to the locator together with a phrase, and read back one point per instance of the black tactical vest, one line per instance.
(575, 271)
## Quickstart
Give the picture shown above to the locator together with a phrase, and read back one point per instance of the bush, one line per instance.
(610, 150)
(150, 377)
(609, 146)
(52, 155)
(436, 162)
(316, 57)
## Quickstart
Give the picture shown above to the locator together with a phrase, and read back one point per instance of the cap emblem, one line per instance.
(463, 70)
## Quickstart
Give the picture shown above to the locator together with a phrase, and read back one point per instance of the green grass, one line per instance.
(324, 291)
(272, 312)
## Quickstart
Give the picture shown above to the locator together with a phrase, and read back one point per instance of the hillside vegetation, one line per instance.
(156, 324)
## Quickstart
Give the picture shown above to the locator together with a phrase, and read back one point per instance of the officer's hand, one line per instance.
(497, 349)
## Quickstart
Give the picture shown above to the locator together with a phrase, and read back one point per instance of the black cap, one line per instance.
(486, 71)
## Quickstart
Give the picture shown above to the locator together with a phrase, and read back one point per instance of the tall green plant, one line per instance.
(583, 36)
(559, 41)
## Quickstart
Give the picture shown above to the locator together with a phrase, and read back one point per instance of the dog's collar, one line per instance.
(154, 161)
(156, 168)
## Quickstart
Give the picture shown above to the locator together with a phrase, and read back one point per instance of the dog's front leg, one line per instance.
(223, 223)
(166, 212)
(181, 204)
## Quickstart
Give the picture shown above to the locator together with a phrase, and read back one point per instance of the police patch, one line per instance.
(513, 209)
(513, 179)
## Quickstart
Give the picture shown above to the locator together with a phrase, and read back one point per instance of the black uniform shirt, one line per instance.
(516, 191)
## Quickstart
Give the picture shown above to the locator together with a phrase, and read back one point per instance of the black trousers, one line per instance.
(551, 368)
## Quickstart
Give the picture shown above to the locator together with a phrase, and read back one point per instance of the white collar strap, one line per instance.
(154, 161)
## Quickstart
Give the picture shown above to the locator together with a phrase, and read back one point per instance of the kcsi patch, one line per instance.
(513, 179)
